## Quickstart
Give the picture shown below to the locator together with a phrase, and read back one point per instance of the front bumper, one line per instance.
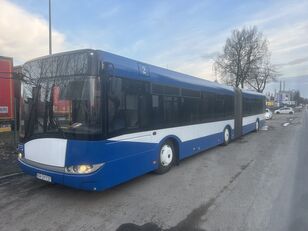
(80, 181)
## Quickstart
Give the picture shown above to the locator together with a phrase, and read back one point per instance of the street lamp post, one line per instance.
(50, 47)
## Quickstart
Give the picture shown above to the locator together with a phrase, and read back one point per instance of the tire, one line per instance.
(227, 136)
(257, 126)
(167, 157)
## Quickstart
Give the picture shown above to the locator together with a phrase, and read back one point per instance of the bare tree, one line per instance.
(261, 74)
(243, 52)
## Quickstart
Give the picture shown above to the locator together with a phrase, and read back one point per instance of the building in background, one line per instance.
(286, 98)
(283, 97)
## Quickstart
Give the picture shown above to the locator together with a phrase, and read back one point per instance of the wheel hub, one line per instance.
(227, 135)
(166, 155)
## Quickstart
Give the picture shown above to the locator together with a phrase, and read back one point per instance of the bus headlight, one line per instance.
(19, 155)
(83, 169)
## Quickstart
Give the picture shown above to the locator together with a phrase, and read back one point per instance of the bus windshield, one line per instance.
(67, 107)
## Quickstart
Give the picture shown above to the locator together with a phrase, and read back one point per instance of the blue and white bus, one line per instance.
(91, 119)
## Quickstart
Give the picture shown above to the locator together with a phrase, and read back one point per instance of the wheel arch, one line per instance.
(259, 124)
(228, 126)
(176, 144)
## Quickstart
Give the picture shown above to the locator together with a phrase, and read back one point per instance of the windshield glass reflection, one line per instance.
(69, 107)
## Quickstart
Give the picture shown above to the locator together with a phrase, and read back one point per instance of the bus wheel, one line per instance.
(227, 136)
(166, 157)
(257, 126)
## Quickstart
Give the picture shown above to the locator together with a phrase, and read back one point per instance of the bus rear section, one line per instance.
(253, 111)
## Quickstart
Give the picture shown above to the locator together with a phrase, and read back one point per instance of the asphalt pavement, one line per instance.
(291, 207)
(8, 154)
(299, 206)
(258, 182)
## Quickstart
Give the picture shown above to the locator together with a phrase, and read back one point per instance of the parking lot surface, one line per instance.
(258, 182)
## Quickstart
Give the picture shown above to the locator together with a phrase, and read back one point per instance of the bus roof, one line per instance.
(131, 69)
(251, 93)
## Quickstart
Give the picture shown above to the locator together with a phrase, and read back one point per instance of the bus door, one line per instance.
(238, 122)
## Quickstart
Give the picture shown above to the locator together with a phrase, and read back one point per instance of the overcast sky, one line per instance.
(181, 35)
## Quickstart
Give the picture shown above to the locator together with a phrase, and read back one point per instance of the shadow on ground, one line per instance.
(194, 219)
(191, 222)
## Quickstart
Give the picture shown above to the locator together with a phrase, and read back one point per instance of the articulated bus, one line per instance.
(91, 120)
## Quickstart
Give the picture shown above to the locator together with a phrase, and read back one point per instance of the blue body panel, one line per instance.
(248, 128)
(251, 127)
(93, 152)
(111, 173)
(122, 161)
(202, 144)
(86, 182)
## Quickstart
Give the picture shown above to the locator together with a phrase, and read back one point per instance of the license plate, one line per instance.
(43, 177)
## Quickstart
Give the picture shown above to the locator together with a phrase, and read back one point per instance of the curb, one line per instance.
(10, 175)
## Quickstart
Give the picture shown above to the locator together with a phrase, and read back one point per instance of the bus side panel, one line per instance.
(122, 170)
(249, 123)
(114, 172)
(123, 160)
(132, 155)
(248, 128)
(192, 147)
(200, 137)
(191, 138)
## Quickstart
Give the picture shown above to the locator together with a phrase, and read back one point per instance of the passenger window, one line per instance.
(116, 106)
(171, 110)
(128, 105)
(157, 111)
(145, 111)
(190, 110)
(132, 111)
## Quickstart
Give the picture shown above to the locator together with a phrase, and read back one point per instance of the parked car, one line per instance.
(298, 108)
(268, 114)
(284, 110)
